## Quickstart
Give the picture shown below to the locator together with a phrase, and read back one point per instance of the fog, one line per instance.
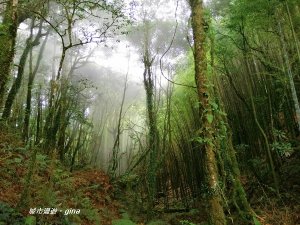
(100, 55)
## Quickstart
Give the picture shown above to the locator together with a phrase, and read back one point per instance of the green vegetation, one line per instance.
(150, 112)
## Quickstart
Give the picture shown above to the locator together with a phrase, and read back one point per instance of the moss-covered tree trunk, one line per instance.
(8, 33)
(238, 195)
(215, 204)
(30, 43)
(151, 114)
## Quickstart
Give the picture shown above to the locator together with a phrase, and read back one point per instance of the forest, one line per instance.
(149, 112)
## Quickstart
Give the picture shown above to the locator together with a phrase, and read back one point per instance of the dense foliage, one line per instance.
(190, 107)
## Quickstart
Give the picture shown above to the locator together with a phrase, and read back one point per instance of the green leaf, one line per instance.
(210, 118)
(30, 220)
(256, 222)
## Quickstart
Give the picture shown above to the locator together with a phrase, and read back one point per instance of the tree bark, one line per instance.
(17, 82)
(215, 203)
(290, 77)
(31, 78)
(152, 124)
(8, 34)
(116, 148)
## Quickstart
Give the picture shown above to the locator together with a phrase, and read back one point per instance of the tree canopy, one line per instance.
(149, 112)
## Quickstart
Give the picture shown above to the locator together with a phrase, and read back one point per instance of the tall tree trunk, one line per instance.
(153, 132)
(8, 34)
(77, 147)
(56, 89)
(290, 76)
(17, 82)
(215, 203)
(116, 148)
(38, 117)
(32, 74)
(239, 196)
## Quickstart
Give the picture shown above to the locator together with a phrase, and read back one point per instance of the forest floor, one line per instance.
(52, 187)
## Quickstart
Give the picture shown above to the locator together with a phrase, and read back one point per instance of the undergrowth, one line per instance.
(51, 186)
